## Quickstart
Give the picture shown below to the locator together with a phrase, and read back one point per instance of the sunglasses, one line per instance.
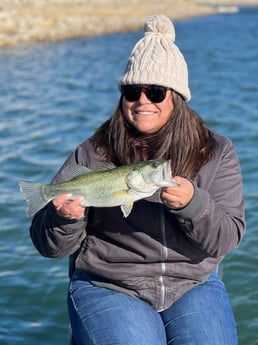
(154, 93)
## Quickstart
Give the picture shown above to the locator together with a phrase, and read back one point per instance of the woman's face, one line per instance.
(146, 116)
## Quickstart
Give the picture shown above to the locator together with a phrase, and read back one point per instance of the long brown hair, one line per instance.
(185, 139)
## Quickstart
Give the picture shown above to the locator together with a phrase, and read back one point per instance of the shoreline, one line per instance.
(27, 21)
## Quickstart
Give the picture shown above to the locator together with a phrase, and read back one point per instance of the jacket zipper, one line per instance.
(163, 264)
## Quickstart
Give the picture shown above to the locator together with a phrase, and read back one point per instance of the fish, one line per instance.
(108, 186)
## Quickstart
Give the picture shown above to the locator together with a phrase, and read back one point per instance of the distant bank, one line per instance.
(29, 21)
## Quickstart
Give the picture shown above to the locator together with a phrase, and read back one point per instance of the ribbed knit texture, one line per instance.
(156, 59)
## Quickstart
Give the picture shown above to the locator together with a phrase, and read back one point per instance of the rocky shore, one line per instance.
(29, 21)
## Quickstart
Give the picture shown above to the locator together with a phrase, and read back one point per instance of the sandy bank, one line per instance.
(28, 21)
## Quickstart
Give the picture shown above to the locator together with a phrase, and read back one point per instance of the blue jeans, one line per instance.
(100, 316)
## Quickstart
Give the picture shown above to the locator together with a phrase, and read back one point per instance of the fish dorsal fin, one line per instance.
(73, 170)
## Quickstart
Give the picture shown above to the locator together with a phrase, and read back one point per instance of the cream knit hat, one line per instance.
(155, 59)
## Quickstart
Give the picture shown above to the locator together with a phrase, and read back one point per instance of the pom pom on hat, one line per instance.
(155, 59)
(160, 24)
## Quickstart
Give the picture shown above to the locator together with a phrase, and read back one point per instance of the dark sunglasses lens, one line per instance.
(131, 92)
(156, 94)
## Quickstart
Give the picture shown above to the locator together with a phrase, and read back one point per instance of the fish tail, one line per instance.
(34, 197)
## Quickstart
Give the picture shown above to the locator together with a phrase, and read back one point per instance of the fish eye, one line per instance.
(154, 165)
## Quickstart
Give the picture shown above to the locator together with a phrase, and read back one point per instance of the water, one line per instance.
(52, 96)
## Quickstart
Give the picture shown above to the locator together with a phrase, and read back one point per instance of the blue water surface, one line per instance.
(53, 96)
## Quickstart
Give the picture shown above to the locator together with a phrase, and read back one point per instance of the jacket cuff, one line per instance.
(61, 222)
(196, 206)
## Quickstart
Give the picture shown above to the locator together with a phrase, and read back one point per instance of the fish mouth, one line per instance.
(167, 171)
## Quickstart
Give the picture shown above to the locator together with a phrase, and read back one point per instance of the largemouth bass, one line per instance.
(110, 186)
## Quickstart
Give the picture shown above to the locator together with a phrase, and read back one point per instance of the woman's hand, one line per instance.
(67, 208)
(178, 197)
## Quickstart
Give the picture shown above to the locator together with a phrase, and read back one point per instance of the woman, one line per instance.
(151, 278)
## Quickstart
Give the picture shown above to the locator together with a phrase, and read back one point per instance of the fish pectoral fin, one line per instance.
(126, 209)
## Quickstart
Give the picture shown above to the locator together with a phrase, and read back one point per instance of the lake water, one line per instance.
(53, 96)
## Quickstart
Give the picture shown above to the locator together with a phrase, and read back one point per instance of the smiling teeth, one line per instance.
(145, 112)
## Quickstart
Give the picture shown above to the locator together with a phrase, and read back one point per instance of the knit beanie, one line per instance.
(155, 59)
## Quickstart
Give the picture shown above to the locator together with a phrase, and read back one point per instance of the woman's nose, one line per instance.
(143, 98)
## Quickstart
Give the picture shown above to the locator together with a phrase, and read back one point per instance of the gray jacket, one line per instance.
(155, 253)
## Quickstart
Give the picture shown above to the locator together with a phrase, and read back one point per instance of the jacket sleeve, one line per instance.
(214, 219)
(52, 235)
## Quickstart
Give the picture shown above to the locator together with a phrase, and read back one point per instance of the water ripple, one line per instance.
(53, 96)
